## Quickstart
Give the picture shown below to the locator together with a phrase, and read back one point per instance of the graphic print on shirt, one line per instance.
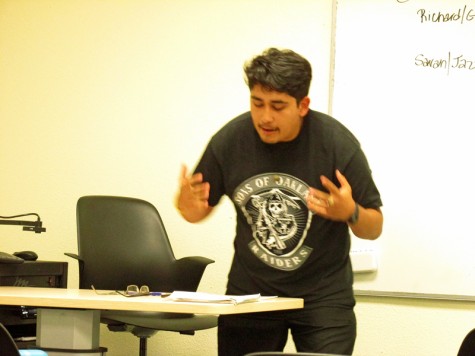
(275, 206)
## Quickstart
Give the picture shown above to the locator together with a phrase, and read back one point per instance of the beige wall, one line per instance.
(112, 96)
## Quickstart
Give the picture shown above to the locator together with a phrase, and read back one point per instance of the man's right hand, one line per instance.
(192, 197)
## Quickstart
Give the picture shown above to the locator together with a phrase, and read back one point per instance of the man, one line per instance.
(299, 181)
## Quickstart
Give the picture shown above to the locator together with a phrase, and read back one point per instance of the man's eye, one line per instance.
(258, 104)
(278, 107)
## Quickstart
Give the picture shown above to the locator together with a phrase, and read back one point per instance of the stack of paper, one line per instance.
(200, 297)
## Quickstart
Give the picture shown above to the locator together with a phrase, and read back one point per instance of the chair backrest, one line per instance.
(468, 345)
(279, 353)
(123, 241)
(7, 344)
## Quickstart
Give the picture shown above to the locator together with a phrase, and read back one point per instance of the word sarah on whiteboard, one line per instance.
(447, 63)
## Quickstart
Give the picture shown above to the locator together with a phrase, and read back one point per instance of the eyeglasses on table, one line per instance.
(132, 290)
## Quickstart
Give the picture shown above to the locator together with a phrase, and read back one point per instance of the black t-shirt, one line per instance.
(281, 248)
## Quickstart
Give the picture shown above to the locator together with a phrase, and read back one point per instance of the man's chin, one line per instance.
(270, 139)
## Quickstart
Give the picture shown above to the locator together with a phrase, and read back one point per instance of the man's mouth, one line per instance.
(268, 130)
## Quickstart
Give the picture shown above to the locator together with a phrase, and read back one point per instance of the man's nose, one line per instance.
(267, 115)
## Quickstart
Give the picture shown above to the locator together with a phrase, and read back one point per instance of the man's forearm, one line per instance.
(369, 225)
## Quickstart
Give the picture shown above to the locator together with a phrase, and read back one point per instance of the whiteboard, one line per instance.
(404, 84)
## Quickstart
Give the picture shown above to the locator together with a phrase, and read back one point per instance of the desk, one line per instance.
(79, 309)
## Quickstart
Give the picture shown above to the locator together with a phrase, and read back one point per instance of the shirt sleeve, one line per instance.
(209, 166)
(359, 175)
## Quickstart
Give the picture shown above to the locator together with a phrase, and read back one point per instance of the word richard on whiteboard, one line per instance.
(462, 15)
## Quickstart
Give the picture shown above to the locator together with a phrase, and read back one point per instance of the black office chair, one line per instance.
(8, 347)
(122, 241)
(468, 345)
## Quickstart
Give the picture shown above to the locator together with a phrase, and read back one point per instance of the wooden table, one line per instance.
(70, 318)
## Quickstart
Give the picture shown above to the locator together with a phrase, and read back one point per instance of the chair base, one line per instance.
(142, 333)
(143, 346)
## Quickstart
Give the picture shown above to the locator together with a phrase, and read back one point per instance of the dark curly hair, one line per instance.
(281, 70)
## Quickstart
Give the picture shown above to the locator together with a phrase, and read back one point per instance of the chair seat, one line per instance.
(8, 346)
(161, 321)
(277, 353)
(468, 345)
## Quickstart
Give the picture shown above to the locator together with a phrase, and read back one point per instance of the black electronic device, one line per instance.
(21, 320)
(9, 258)
(26, 255)
(21, 269)
(36, 226)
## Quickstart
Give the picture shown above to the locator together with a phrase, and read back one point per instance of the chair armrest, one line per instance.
(80, 262)
(188, 272)
(73, 255)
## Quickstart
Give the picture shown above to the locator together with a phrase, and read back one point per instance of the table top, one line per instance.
(88, 299)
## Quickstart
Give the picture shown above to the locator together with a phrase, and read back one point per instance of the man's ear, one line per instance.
(304, 106)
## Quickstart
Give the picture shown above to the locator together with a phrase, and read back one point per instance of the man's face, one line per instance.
(276, 116)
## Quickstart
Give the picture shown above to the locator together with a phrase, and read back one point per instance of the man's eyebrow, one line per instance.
(272, 101)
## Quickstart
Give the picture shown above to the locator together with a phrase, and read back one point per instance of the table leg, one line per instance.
(68, 329)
